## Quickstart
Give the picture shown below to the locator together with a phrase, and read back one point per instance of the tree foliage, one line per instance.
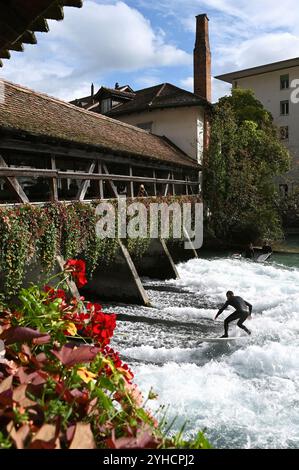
(245, 155)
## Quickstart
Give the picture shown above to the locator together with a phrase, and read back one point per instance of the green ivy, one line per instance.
(39, 233)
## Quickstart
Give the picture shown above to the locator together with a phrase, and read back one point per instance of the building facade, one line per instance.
(275, 86)
(165, 109)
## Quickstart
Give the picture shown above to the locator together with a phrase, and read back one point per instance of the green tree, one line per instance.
(244, 156)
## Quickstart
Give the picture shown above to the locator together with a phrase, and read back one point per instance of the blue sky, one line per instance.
(141, 43)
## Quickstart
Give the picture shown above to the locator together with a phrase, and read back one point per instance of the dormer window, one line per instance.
(105, 105)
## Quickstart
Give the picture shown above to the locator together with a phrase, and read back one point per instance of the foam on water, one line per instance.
(246, 395)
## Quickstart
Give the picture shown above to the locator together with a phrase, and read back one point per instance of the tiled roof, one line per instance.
(159, 96)
(103, 92)
(20, 19)
(24, 110)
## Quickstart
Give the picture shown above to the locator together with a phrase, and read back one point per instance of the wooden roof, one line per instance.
(36, 114)
(20, 19)
(160, 96)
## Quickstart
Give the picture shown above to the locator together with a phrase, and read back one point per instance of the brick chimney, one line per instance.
(202, 59)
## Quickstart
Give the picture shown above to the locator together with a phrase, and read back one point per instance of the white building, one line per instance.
(273, 84)
(165, 109)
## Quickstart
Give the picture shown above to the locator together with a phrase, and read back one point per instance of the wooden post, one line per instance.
(155, 184)
(84, 185)
(131, 183)
(167, 186)
(173, 186)
(187, 189)
(111, 184)
(53, 181)
(14, 184)
(101, 187)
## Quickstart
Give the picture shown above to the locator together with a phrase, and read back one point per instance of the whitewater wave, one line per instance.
(246, 393)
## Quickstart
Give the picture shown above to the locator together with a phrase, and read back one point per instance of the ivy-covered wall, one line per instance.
(31, 233)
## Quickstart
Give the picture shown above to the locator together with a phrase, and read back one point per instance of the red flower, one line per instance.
(77, 268)
(55, 293)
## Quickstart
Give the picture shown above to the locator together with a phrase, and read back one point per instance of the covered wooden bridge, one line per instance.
(52, 150)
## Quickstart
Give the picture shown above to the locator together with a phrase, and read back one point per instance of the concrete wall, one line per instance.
(183, 126)
(118, 282)
(267, 89)
(157, 262)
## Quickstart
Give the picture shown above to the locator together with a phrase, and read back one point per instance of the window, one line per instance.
(284, 133)
(146, 126)
(284, 108)
(284, 82)
(236, 84)
(105, 105)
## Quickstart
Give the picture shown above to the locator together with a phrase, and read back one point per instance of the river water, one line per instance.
(245, 393)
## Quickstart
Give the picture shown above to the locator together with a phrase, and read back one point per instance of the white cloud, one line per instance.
(92, 41)
(263, 49)
(243, 33)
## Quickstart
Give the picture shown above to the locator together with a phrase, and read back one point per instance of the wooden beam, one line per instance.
(71, 152)
(173, 185)
(101, 186)
(155, 184)
(14, 184)
(167, 185)
(84, 185)
(28, 37)
(110, 181)
(16, 46)
(40, 25)
(55, 12)
(131, 182)
(187, 188)
(46, 173)
(72, 3)
(5, 54)
(53, 181)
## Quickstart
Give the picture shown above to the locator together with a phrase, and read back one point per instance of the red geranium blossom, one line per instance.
(77, 267)
(55, 293)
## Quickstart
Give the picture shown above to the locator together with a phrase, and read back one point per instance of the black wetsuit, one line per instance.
(250, 253)
(241, 313)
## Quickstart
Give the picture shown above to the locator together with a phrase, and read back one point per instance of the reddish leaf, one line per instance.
(42, 340)
(143, 440)
(19, 396)
(70, 355)
(18, 436)
(70, 432)
(6, 398)
(83, 437)
(45, 438)
(6, 384)
(19, 334)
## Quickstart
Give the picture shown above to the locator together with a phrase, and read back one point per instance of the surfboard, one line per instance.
(263, 257)
(221, 340)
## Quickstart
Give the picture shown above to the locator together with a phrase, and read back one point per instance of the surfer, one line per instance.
(241, 312)
(250, 254)
(267, 248)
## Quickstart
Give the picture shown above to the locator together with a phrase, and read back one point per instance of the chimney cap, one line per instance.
(203, 15)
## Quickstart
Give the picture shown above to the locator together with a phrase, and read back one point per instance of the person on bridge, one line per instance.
(241, 313)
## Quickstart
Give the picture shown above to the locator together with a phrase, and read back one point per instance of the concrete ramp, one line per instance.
(157, 262)
(118, 282)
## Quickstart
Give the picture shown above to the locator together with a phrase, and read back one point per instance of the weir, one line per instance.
(118, 281)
